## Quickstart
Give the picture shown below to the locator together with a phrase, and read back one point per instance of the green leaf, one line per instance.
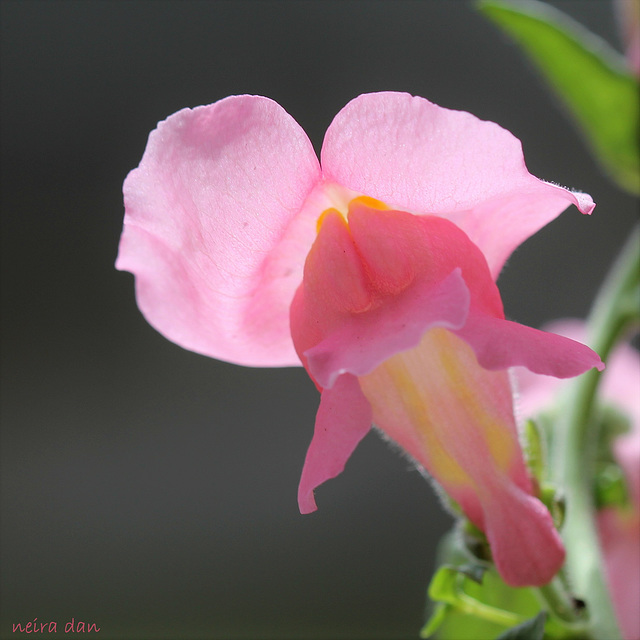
(587, 74)
(530, 630)
(435, 621)
(610, 487)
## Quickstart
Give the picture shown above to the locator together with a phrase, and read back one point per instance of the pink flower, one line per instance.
(618, 527)
(376, 269)
(628, 14)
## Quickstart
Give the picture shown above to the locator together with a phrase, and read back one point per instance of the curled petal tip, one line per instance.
(306, 502)
(343, 419)
(584, 202)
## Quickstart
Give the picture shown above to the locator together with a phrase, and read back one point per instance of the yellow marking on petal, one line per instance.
(367, 201)
(416, 403)
(500, 448)
(448, 412)
(370, 202)
(323, 217)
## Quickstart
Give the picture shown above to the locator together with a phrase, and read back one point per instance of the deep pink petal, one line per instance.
(343, 419)
(525, 545)
(334, 275)
(399, 248)
(373, 284)
(418, 157)
(364, 341)
(208, 214)
(500, 344)
(619, 384)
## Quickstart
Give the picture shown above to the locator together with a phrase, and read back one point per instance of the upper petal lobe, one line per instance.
(206, 212)
(422, 158)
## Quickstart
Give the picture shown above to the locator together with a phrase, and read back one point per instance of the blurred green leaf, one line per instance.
(610, 487)
(435, 621)
(589, 76)
(530, 630)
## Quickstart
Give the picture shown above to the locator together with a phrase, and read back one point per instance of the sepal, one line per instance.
(552, 498)
(467, 599)
(530, 630)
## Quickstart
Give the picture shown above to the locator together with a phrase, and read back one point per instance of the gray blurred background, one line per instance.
(153, 491)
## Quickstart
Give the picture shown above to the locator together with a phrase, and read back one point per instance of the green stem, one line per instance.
(576, 439)
(565, 619)
(555, 597)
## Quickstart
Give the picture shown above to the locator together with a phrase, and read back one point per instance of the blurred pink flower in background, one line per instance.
(376, 269)
(628, 13)
(619, 527)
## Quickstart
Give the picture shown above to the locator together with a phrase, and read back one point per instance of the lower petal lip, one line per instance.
(365, 341)
(456, 420)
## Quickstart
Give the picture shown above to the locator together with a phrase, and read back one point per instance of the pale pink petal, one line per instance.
(627, 453)
(620, 538)
(620, 528)
(500, 344)
(628, 15)
(621, 386)
(421, 158)
(343, 419)
(214, 198)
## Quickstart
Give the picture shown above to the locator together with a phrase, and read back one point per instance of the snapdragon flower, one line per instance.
(375, 268)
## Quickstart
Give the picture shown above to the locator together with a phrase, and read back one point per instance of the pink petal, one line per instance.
(364, 341)
(620, 538)
(418, 157)
(526, 547)
(628, 15)
(208, 213)
(456, 419)
(627, 453)
(343, 419)
(500, 344)
(373, 285)
(619, 384)
(619, 529)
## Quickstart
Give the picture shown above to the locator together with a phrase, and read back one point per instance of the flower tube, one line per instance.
(374, 268)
